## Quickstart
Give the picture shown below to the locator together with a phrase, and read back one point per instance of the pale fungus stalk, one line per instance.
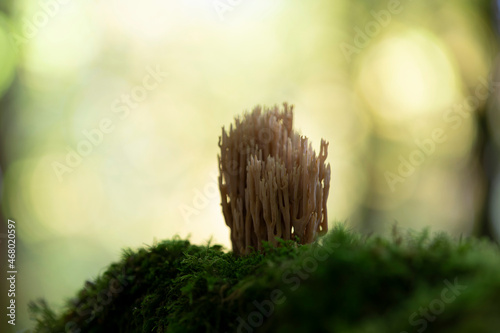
(271, 182)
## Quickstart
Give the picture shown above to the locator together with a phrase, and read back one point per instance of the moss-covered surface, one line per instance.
(348, 283)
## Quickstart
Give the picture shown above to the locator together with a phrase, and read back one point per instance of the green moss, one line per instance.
(345, 283)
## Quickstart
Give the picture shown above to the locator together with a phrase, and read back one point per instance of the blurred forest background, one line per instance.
(110, 113)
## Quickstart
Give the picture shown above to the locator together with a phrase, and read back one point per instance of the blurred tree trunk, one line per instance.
(486, 157)
(6, 102)
(486, 150)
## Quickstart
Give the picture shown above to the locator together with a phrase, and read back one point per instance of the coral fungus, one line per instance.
(271, 182)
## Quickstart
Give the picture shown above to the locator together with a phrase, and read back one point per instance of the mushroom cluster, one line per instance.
(271, 182)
